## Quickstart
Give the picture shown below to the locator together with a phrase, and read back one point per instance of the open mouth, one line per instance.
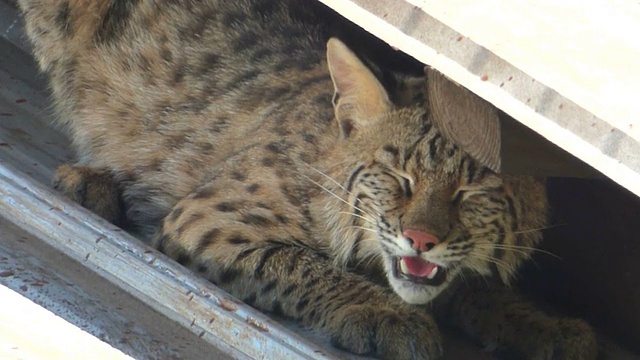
(418, 270)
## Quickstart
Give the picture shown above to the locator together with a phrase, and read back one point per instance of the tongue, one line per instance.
(417, 266)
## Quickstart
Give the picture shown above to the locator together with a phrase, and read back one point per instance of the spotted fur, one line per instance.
(277, 166)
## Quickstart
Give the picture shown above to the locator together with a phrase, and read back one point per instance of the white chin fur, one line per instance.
(413, 293)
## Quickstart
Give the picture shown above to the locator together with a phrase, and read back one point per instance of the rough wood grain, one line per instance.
(162, 284)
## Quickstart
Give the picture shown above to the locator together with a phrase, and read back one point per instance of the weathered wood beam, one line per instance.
(231, 327)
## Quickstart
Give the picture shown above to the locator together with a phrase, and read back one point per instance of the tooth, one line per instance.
(403, 267)
(433, 273)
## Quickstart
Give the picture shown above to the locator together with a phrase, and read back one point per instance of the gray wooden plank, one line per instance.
(163, 285)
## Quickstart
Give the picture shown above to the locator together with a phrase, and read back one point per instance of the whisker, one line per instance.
(330, 179)
(477, 269)
(327, 177)
(502, 248)
(365, 229)
(333, 194)
(537, 229)
(386, 243)
(505, 265)
(366, 218)
(488, 257)
(366, 260)
(517, 247)
(517, 231)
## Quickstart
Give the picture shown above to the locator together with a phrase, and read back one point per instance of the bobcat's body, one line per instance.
(210, 127)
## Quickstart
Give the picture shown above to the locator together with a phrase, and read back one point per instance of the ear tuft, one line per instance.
(359, 96)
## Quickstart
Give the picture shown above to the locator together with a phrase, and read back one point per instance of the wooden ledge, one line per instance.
(233, 328)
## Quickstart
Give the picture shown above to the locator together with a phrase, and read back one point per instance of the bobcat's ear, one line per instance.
(359, 97)
(464, 118)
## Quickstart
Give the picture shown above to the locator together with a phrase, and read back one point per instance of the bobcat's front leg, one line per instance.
(501, 320)
(255, 249)
(95, 189)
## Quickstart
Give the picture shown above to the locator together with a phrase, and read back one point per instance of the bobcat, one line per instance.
(268, 158)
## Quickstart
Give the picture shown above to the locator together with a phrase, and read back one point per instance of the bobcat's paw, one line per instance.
(575, 340)
(388, 333)
(94, 189)
(563, 339)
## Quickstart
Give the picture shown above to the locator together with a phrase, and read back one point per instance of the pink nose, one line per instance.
(421, 241)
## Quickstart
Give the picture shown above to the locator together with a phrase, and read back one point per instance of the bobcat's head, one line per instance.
(414, 201)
